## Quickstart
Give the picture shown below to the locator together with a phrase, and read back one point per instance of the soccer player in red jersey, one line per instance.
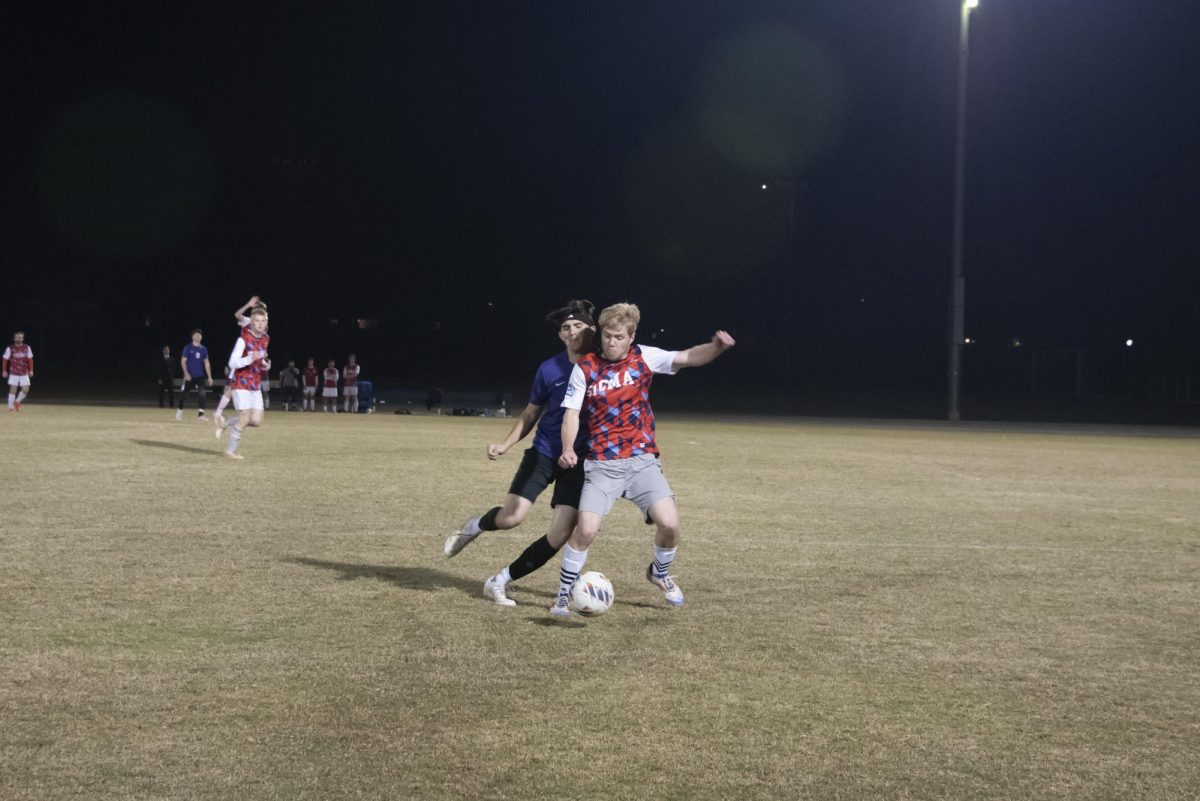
(609, 394)
(329, 387)
(18, 369)
(227, 395)
(249, 363)
(350, 384)
(309, 404)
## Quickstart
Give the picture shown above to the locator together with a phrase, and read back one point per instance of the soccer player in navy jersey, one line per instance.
(608, 396)
(197, 373)
(539, 467)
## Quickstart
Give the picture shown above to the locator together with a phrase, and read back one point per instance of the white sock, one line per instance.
(22, 395)
(11, 399)
(663, 557)
(572, 565)
(235, 436)
(504, 576)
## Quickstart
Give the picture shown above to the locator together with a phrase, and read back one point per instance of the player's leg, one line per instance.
(533, 475)
(568, 486)
(184, 388)
(535, 555)
(202, 391)
(22, 392)
(649, 489)
(12, 394)
(243, 401)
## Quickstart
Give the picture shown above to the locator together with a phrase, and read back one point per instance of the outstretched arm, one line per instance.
(700, 355)
(524, 423)
(250, 304)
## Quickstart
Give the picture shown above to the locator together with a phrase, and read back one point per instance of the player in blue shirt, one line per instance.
(539, 467)
(196, 373)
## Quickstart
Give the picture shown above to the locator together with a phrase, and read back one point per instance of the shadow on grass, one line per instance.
(411, 578)
(171, 446)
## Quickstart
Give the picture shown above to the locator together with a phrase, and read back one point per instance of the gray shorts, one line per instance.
(639, 478)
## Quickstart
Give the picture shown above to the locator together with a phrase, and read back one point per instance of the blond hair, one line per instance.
(626, 314)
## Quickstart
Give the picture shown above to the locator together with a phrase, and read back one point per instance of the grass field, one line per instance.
(872, 611)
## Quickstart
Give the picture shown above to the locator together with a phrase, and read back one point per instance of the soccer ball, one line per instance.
(592, 594)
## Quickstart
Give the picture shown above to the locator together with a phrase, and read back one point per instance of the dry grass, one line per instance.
(873, 612)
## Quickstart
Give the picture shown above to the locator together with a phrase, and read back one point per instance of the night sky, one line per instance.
(453, 170)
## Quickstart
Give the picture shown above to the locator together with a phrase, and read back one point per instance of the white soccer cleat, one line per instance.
(457, 541)
(179, 414)
(561, 607)
(231, 455)
(670, 590)
(494, 590)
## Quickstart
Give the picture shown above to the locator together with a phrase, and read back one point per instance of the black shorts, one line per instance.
(538, 471)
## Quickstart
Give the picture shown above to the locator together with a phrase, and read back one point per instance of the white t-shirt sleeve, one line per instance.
(8, 353)
(576, 386)
(243, 321)
(238, 358)
(659, 360)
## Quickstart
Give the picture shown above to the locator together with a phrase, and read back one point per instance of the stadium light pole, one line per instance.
(957, 281)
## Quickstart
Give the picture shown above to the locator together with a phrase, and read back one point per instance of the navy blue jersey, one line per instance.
(196, 356)
(549, 386)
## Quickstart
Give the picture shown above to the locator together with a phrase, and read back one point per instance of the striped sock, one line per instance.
(663, 557)
(572, 564)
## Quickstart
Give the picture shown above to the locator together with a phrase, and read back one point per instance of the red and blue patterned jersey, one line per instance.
(250, 376)
(18, 359)
(613, 399)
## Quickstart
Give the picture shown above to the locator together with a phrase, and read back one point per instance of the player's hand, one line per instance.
(209, 381)
(266, 363)
(496, 450)
(568, 459)
(722, 340)
(253, 301)
(4, 374)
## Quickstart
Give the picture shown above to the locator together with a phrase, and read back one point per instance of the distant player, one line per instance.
(227, 394)
(329, 387)
(609, 395)
(166, 378)
(289, 382)
(197, 373)
(350, 384)
(249, 362)
(311, 378)
(18, 369)
(539, 466)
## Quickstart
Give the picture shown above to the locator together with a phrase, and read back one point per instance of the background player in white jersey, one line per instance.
(350, 384)
(18, 369)
(249, 362)
(329, 387)
(227, 395)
